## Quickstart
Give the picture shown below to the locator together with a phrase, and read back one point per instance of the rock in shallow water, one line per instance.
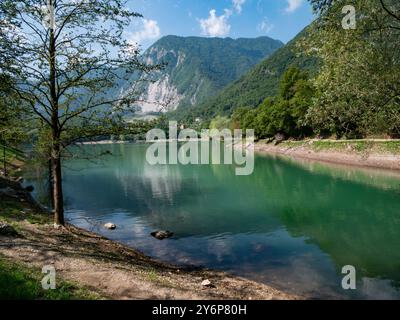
(110, 226)
(161, 235)
(30, 188)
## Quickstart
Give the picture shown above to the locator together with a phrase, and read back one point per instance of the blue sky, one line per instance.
(278, 19)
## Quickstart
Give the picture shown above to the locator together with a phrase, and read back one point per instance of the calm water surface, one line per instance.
(291, 224)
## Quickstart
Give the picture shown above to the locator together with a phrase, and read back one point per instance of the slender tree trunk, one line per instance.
(4, 160)
(58, 198)
(50, 182)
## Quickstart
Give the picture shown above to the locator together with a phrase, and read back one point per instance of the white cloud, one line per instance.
(293, 5)
(150, 31)
(265, 26)
(238, 4)
(216, 26)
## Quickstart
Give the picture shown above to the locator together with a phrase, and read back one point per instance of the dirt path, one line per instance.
(113, 270)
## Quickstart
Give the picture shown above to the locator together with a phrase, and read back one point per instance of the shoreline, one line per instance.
(347, 155)
(102, 142)
(122, 272)
(336, 152)
(108, 268)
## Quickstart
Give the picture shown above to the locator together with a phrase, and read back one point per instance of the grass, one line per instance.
(19, 282)
(358, 146)
(12, 211)
(152, 276)
(14, 159)
(12, 153)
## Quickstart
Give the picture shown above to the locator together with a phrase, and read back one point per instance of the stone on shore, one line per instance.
(19, 180)
(7, 230)
(207, 284)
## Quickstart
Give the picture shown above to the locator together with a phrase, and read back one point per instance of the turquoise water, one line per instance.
(291, 224)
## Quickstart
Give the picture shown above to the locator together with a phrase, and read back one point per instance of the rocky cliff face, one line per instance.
(196, 69)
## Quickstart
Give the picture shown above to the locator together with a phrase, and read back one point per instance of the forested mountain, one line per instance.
(197, 68)
(328, 81)
(258, 84)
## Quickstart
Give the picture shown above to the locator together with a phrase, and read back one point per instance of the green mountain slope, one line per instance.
(258, 84)
(198, 68)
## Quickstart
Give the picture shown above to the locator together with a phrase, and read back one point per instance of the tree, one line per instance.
(7, 123)
(389, 6)
(220, 123)
(68, 57)
(288, 86)
(285, 114)
(358, 87)
(321, 6)
(392, 10)
(238, 118)
(13, 124)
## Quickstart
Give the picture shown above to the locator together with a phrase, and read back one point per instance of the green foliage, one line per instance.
(321, 6)
(284, 114)
(290, 81)
(363, 146)
(358, 88)
(12, 115)
(12, 211)
(242, 118)
(220, 123)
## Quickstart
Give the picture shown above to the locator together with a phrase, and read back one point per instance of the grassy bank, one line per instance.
(358, 146)
(19, 282)
(372, 153)
(12, 212)
(12, 159)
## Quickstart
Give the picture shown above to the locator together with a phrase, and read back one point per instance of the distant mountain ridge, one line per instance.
(198, 68)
